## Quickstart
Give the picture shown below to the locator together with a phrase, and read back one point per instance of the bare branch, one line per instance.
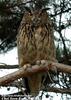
(4, 66)
(59, 90)
(64, 11)
(48, 66)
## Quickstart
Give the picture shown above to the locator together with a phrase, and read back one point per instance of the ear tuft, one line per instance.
(28, 9)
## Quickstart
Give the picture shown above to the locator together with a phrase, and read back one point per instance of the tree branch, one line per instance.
(5, 66)
(59, 90)
(26, 72)
(64, 11)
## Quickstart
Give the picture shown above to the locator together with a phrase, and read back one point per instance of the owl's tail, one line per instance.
(32, 85)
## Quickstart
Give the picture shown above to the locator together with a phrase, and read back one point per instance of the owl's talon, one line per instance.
(38, 62)
(27, 66)
(43, 62)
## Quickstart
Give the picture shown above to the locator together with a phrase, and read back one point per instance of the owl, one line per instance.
(35, 42)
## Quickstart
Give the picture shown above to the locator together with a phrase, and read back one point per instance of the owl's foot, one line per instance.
(43, 62)
(27, 66)
(39, 62)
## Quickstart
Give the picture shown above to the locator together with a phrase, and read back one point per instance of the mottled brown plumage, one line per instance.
(35, 42)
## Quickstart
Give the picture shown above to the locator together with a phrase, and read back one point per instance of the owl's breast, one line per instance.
(35, 45)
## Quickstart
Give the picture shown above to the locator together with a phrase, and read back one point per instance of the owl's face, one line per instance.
(36, 17)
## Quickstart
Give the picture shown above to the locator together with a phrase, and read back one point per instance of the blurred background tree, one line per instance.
(11, 13)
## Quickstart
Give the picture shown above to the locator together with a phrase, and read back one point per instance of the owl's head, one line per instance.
(36, 16)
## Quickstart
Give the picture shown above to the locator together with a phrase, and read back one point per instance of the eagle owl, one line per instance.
(35, 42)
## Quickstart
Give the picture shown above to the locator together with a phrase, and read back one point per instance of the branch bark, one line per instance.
(59, 90)
(4, 66)
(26, 72)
